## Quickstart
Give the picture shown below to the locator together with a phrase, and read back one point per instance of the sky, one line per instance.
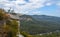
(33, 7)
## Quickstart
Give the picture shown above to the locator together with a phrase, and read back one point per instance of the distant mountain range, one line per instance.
(35, 24)
(46, 18)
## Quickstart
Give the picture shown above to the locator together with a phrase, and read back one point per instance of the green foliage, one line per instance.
(1, 14)
(11, 26)
(24, 34)
(54, 34)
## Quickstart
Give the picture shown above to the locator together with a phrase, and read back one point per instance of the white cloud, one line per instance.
(28, 6)
(48, 4)
(31, 5)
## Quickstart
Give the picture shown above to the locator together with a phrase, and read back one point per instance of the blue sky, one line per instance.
(33, 7)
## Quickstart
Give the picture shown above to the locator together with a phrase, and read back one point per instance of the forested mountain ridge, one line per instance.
(37, 26)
